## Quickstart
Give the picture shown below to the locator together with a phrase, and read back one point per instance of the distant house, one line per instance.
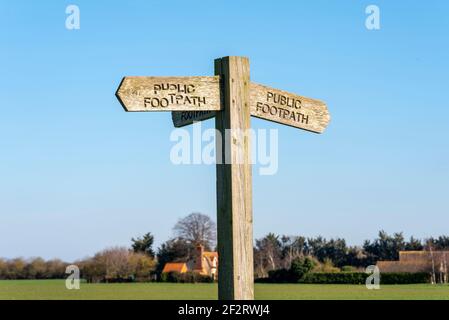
(433, 262)
(204, 263)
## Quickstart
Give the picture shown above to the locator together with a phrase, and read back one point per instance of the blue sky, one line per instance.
(78, 174)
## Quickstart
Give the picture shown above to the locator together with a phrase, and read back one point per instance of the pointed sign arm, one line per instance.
(273, 105)
(169, 93)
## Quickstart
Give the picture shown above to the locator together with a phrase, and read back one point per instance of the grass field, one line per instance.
(55, 289)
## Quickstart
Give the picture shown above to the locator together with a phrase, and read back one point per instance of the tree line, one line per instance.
(274, 252)
(141, 262)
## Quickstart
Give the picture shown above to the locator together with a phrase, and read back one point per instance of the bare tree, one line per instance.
(197, 228)
(269, 252)
(292, 247)
(117, 264)
(433, 263)
(445, 268)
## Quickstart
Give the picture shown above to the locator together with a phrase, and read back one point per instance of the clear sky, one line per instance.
(78, 174)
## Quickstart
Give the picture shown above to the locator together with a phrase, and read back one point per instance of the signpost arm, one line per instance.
(234, 182)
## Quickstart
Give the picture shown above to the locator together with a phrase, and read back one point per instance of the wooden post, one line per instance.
(232, 99)
(234, 182)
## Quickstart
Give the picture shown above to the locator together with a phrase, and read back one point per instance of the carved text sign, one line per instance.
(169, 93)
(287, 108)
(274, 105)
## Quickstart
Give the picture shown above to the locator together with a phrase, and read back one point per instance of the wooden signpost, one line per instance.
(231, 98)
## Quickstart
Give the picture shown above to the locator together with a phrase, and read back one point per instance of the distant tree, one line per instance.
(292, 247)
(141, 265)
(414, 244)
(3, 269)
(36, 269)
(197, 228)
(440, 243)
(429, 247)
(55, 269)
(16, 269)
(334, 250)
(385, 247)
(144, 244)
(316, 247)
(327, 266)
(117, 264)
(114, 263)
(268, 253)
(302, 266)
(355, 257)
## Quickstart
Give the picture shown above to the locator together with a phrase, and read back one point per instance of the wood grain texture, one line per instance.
(288, 108)
(169, 93)
(234, 183)
(184, 118)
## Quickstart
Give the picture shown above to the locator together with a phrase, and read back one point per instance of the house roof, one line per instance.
(210, 255)
(174, 267)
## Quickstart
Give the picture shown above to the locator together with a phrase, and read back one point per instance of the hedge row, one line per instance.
(404, 278)
(336, 278)
(360, 278)
(283, 276)
(188, 277)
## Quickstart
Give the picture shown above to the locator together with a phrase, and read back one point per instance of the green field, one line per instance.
(55, 289)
